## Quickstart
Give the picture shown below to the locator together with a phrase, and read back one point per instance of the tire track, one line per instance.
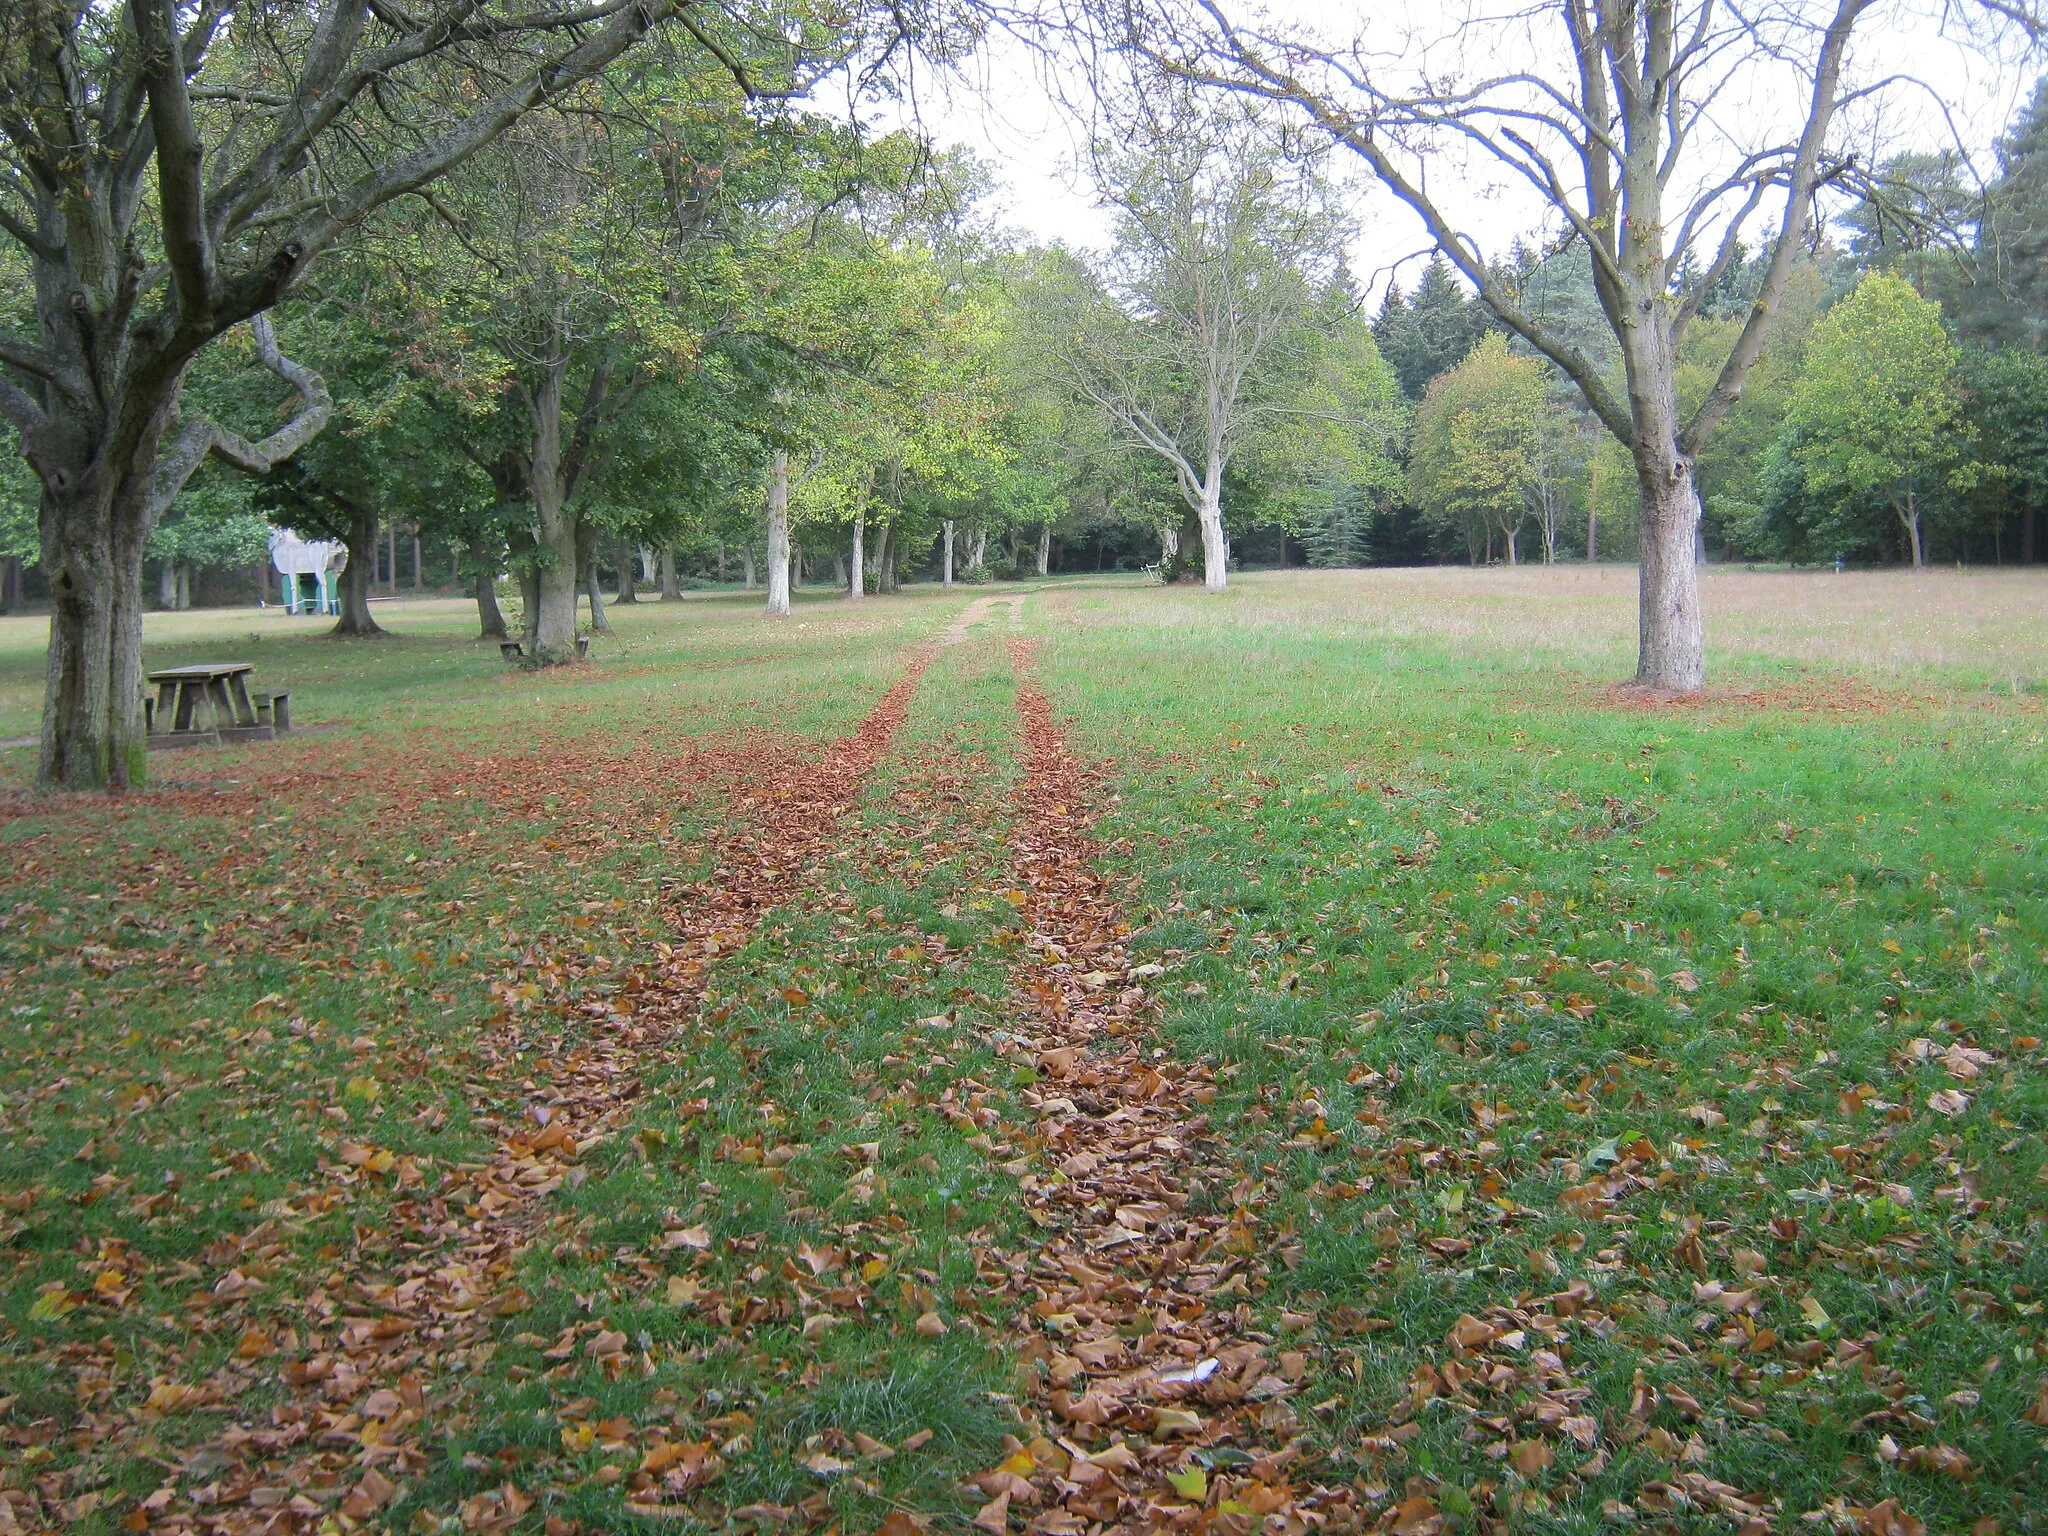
(1138, 1319)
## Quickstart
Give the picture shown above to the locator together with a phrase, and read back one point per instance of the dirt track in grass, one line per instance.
(1138, 1317)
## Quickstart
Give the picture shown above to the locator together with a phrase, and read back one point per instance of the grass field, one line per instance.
(631, 1097)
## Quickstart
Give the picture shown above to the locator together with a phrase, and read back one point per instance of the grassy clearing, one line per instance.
(1720, 1021)
(1515, 990)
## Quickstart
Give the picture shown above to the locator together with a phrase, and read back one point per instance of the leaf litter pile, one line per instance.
(870, 1169)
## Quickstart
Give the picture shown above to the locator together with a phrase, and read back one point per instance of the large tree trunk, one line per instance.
(167, 585)
(1044, 548)
(490, 620)
(747, 567)
(669, 591)
(778, 536)
(357, 575)
(92, 702)
(629, 591)
(1215, 547)
(1671, 654)
(553, 621)
(946, 538)
(856, 575)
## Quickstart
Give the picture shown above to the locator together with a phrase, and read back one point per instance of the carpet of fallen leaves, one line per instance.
(1173, 1370)
(358, 1356)
(1136, 1295)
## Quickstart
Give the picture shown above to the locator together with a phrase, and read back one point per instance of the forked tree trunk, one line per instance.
(357, 574)
(490, 620)
(669, 591)
(856, 575)
(946, 538)
(1908, 509)
(1510, 534)
(778, 536)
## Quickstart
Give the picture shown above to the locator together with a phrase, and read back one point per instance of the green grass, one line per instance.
(1417, 875)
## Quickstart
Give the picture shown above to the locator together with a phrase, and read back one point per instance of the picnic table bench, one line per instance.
(218, 692)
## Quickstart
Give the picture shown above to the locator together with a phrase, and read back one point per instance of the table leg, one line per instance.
(166, 702)
(188, 696)
(223, 707)
(238, 687)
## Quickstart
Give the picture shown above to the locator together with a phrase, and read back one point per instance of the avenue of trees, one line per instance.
(550, 303)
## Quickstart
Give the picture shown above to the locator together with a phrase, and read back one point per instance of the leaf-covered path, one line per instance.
(1150, 1227)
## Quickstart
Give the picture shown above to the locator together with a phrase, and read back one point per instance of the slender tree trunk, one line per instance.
(669, 591)
(167, 585)
(1215, 547)
(946, 539)
(10, 583)
(419, 570)
(884, 553)
(720, 568)
(490, 621)
(856, 575)
(980, 550)
(358, 574)
(391, 559)
(747, 567)
(778, 536)
(1909, 514)
(796, 567)
(1511, 546)
(184, 585)
(586, 562)
(629, 591)
(1044, 548)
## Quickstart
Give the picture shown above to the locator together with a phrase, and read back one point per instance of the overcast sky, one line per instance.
(1000, 107)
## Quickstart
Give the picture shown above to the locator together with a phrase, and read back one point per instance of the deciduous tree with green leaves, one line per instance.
(1475, 443)
(1879, 407)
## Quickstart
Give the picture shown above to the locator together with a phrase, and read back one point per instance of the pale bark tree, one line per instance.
(856, 577)
(946, 536)
(1616, 112)
(168, 176)
(1191, 340)
(1044, 548)
(778, 536)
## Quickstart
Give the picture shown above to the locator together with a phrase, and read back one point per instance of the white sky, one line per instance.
(1000, 107)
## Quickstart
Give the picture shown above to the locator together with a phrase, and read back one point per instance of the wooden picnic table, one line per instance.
(221, 686)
